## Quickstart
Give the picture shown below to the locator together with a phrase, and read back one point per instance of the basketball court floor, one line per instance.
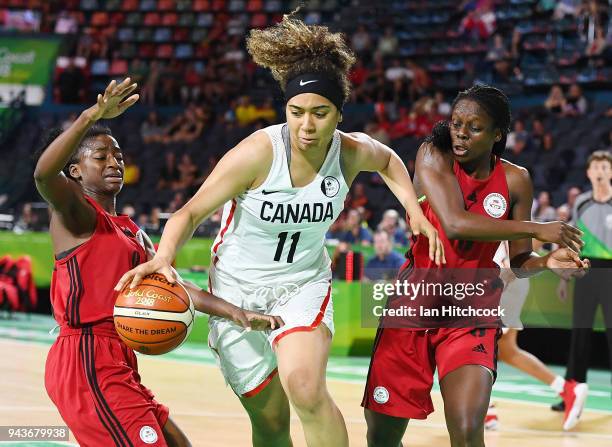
(188, 381)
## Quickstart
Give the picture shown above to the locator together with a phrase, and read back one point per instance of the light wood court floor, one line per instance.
(211, 415)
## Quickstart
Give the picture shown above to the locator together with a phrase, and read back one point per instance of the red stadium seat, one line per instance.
(201, 5)
(254, 5)
(117, 18)
(218, 5)
(152, 19)
(181, 34)
(146, 50)
(259, 20)
(100, 19)
(129, 5)
(118, 67)
(166, 5)
(170, 19)
(165, 51)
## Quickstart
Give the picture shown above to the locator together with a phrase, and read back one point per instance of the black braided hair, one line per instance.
(50, 135)
(496, 104)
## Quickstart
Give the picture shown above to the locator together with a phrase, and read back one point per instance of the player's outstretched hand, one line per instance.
(114, 101)
(567, 264)
(560, 233)
(134, 276)
(420, 224)
(256, 321)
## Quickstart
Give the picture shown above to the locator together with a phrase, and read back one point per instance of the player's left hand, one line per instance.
(567, 264)
(420, 224)
(256, 321)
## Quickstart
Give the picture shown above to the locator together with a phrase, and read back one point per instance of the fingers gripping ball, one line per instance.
(155, 317)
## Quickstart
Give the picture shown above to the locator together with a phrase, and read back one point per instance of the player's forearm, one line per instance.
(398, 180)
(525, 265)
(55, 157)
(209, 304)
(474, 227)
(177, 231)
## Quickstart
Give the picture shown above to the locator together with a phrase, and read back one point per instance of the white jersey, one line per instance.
(275, 234)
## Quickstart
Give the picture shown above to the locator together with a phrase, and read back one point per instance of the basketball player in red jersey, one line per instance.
(90, 375)
(474, 199)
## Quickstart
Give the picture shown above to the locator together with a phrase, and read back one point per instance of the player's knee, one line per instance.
(305, 391)
(466, 432)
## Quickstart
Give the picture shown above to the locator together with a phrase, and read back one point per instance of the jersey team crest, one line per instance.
(330, 186)
(495, 205)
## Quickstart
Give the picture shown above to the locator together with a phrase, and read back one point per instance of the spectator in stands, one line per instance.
(131, 171)
(176, 203)
(69, 120)
(354, 230)
(266, 112)
(151, 130)
(70, 84)
(599, 43)
(397, 72)
(169, 174)
(385, 263)
(378, 131)
(148, 92)
(567, 7)
(405, 126)
(537, 133)
(246, 112)
(190, 86)
(498, 50)
(139, 72)
(361, 41)
(575, 102)
(394, 226)
(66, 23)
(572, 193)
(479, 22)
(211, 226)
(189, 125)
(555, 103)
(387, 43)
(421, 82)
(171, 76)
(27, 220)
(143, 222)
(188, 172)
(358, 74)
(543, 210)
(519, 132)
(128, 210)
(563, 213)
(443, 107)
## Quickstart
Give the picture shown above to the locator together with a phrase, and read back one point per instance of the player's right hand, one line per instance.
(113, 102)
(256, 321)
(134, 276)
(561, 234)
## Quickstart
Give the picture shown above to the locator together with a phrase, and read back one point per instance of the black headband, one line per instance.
(315, 83)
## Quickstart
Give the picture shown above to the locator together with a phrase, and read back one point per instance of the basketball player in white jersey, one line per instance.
(282, 187)
(512, 300)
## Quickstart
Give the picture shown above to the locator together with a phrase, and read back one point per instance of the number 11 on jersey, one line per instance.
(282, 237)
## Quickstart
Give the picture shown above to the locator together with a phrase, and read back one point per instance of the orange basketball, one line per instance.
(155, 317)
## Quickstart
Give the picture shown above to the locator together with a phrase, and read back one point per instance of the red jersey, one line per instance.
(84, 277)
(488, 197)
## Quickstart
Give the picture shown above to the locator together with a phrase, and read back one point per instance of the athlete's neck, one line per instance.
(602, 192)
(479, 169)
(106, 202)
(314, 156)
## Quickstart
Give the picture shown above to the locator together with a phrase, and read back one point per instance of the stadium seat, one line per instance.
(99, 67)
(125, 34)
(180, 34)
(146, 50)
(133, 19)
(128, 51)
(236, 6)
(254, 5)
(201, 5)
(259, 20)
(100, 19)
(152, 19)
(162, 35)
(118, 67)
(165, 51)
(273, 6)
(199, 34)
(117, 18)
(129, 5)
(205, 20)
(166, 5)
(183, 5)
(169, 19)
(144, 35)
(147, 5)
(186, 19)
(89, 5)
(218, 5)
(183, 51)
(112, 5)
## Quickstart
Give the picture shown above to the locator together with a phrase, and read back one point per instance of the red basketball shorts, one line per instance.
(404, 361)
(92, 378)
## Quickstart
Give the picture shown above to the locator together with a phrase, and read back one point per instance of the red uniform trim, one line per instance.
(227, 224)
(312, 325)
(259, 388)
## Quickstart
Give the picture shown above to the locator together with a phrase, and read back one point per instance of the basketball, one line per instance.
(155, 317)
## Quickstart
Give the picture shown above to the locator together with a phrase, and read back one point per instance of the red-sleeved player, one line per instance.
(474, 199)
(91, 375)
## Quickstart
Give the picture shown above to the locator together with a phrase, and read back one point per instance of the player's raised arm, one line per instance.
(63, 194)
(364, 153)
(236, 172)
(435, 173)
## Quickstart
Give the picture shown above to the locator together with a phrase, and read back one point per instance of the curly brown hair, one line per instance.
(291, 48)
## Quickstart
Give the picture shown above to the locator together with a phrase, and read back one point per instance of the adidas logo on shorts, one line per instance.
(479, 348)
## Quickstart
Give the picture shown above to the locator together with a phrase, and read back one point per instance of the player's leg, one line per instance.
(302, 360)
(384, 430)
(466, 392)
(510, 353)
(269, 413)
(174, 436)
